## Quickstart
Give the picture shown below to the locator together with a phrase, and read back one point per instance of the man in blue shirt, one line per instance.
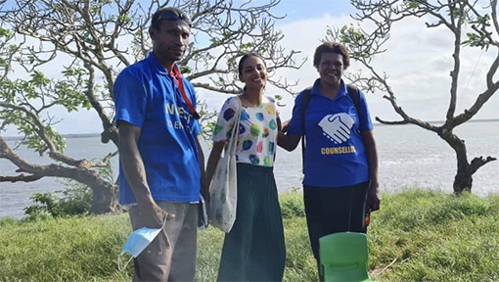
(161, 166)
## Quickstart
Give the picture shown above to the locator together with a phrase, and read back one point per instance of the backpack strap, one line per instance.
(307, 95)
(354, 94)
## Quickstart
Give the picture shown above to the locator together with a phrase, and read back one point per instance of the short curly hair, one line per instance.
(156, 20)
(331, 47)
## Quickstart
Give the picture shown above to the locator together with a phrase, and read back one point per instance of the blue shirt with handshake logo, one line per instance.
(146, 96)
(335, 154)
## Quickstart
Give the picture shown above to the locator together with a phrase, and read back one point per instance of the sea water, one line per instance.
(409, 156)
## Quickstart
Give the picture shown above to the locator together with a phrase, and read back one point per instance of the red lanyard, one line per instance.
(177, 77)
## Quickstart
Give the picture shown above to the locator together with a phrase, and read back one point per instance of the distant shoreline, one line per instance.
(71, 136)
(90, 135)
(441, 122)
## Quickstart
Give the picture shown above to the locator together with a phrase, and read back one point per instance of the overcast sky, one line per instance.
(418, 62)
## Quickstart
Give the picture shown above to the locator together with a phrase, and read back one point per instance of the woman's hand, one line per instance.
(285, 126)
(373, 196)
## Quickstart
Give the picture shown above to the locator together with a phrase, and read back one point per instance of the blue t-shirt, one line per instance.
(146, 96)
(335, 154)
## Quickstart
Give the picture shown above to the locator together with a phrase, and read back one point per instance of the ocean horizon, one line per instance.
(98, 134)
(409, 157)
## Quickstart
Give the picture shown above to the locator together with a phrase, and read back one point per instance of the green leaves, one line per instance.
(38, 79)
(185, 69)
(69, 97)
(476, 40)
(124, 18)
(5, 32)
(247, 47)
(480, 37)
(34, 141)
(76, 200)
(412, 4)
(350, 35)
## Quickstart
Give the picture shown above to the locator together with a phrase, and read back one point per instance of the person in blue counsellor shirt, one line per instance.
(161, 167)
(340, 159)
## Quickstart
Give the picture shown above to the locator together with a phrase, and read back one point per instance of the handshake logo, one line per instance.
(337, 127)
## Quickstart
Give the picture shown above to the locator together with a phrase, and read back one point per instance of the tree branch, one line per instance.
(20, 178)
(81, 173)
(208, 86)
(478, 162)
(456, 30)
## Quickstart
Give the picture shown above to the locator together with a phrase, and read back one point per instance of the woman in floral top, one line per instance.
(254, 248)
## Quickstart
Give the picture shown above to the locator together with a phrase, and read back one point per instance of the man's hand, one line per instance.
(373, 196)
(152, 215)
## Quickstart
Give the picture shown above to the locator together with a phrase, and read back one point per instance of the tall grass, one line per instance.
(433, 236)
(69, 249)
(417, 236)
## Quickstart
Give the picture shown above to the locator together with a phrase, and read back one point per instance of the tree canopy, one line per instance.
(92, 41)
(472, 24)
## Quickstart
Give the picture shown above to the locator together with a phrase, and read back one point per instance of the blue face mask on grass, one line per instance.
(137, 241)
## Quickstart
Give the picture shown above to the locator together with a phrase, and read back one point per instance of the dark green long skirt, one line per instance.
(254, 249)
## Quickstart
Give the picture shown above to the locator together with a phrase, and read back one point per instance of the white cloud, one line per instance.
(418, 62)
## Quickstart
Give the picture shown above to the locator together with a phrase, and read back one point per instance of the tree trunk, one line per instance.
(105, 199)
(463, 178)
(105, 196)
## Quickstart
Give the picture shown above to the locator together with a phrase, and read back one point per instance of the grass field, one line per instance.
(418, 235)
